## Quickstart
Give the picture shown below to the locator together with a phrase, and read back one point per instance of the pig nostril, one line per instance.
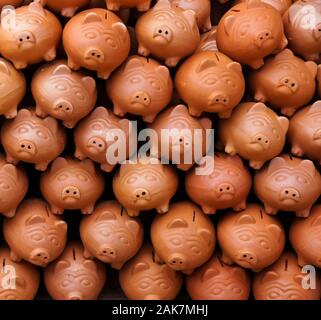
(137, 97)
(286, 191)
(221, 190)
(100, 145)
(159, 31)
(228, 188)
(67, 191)
(29, 147)
(251, 258)
(145, 99)
(28, 37)
(75, 192)
(20, 39)
(267, 34)
(217, 100)
(266, 141)
(259, 139)
(137, 195)
(244, 255)
(144, 193)
(98, 56)
(286, 81)
(94, 142)
(292, 84)
(166, 32)
(293, 195)
(22, 146)
(93, 54)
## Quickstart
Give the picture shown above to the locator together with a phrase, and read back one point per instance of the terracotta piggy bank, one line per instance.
(97, 40)
(35, 234)
(255, 132)
(141, 86)
(91, 134)
(110, 235)
(304, 133)
(73, 277)
(284, 281)
(15, 3)
(12, 90)
(25, 283)
(216, 280)
(145, 186)
(72, 185)
(167, 32)
(67, 8)
(13, 187)
(250, 238)
(302, 23)
(62, 93)
(140, 5)
(208, 41)
(142, 278)
(249, 32)
(285, 82)
(288, 184)
(279, 5)
(31, 139)
(184, 238)
(33, 38)
(218, 78)
(226, 186)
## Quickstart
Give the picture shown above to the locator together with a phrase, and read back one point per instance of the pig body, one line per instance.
(279, 5)
(116, 5)
(72, 185)
(208, 41)
(288, 184)
(14, 3)
(67, 8)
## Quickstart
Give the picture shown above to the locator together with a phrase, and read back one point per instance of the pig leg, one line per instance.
(270, 210)
(69, 124)
(144, 6)
(188, 271)
(163, 209)
(184, 167)
(11, 113)
(256, 64)
(42, 166)
(229, 148)
(256, 164)
(297, 151)
(195, 112)
(20, 64)
(172, 62)
(207, 25)
(150, 118)
(72, 64)
(133, 212)
(69, 12)
(79, 155)
(118, 111)
(14, 257)
(288, 111)
(40, 113)
(11, 159)
(259, 96)
(208, 210)
(143, 51)
(303, 213)
(107, 167)
(117, 266)
(87, 254)
(88, 210)
(240, 206)
(9, 214)
(51, 54)
(113, 6)
(56, 210)
(104, 74)
(226, 259)
(301, 261)
(225, 115)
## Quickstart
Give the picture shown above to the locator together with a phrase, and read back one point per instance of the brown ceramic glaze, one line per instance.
(73, 277)
(34, 234)
(141, 86)
(67, 8)
(62, 93)
(279, 5)
(140, 5)
(96, 39)
(319, 80)
(183, 238)
(208, 41)
(142, 278)
(15, 3)
(167, 32)
(250, 31)
(289, 184)
(72, 185)
(255, 132)
(250, 238)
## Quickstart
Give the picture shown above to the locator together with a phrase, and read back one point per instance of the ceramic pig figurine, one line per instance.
(218, 78)
(184, 238)
(15, 3)
(34, 37)
(73, 277)
(284, 281)
(228, 185)
(288, 184)
(25, 283)
(12, 89)
(140, 5)
(141, 86)
(142, 278)
(279, 5)
(13, 187)
(67, 8)
(250, 31)
(97, 40)
(167, 32)
(208, 41)
(31, 139)
(72, 185)
(304, 133)
(145, 185)
(250, 238)
(34, 234)
(62, 93)
(302, 28)
(285, 82)
(255, 132)
(216, 280)
(110, 235)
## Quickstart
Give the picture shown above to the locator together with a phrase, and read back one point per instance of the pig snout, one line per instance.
(219, 98)
(95, 55)
(248, 256)
(97, 144)
(177, 261)
(70, 192)
(290, 83)
(40, 255)
(225, 190)
(163, 34)
(141, 98)
(25, 38)
(27, 146)
(75, 296)
(261, 140)
(108, 252)
(64, 106)
(290, 194)
(141, 194)
(262, 37)
(152, 297)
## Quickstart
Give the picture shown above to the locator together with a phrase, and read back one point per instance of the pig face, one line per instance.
(251, 238)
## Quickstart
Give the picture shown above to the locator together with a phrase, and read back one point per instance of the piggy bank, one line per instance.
(279, 5)
(218, 78)
(15, 3)
(249, 32)
(31, 139)
(97, 40)
(72, 185)
(73, 277)
(167, 32)
(288, 184)
(302, 23)
(185, 135)
(304, 133)
(208, 41)
(141, 86)
(250, 238)
(145, 185)
(14, 185)
(67, 8)
(25, 283)
(284, 280)
(62, 93)
(255, 132)
(319, 80)
(184, 238)
(227, 184)
(110, 235)
(140, 5)
(216, 280)
(142, 278)
(12, 90)
(34, 37)
(91, 134)
(285, 82)
(34, 234)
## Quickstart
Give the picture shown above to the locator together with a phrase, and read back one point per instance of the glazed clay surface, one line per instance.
(67, 8)
(14, 3)
(140, 5)
(208, 41)
(279, 5)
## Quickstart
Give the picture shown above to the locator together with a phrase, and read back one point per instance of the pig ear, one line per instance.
(35, 219)
(276, 231)
(92, 17)
(190, 17)
(61, 225)
(23, 113)
(89, 83)
(180, 109)
(235, 66)
(163, 71)
(37, 8)
(275, 164)
(51, 123)
(313, 68)
(270, 276)
(207, 235)
(209, 274)
(106, 216)
(162, 4)
(58, 164)
(4, 68)
(245, 219)
(257, 107)
(284, 123)
(120, 28)
(11, 170)
(228, 23)
(90, 264)
(62, 265)
(140, 266)
(88, 165)
(308, 166)
(316, 221)
(100, 112)
(61, 69)
(206, 123)
(284, 54)
(133, 63)
(205, 64)
(315, 107)
(298, 279)
(133, 226)
(21, 282)
(177, 223)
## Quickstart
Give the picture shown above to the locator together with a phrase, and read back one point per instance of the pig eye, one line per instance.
(164, 285)
(264, 244)
(36, 237)
(135, 80)
(97, 127)
(217, 291)
(179, 25)
(54, 241)
(230, 83)
(85, 283)
(155, 85)
(82, 177)
(41, 134)
(123, 240)
(62, 177)
(301, 179)
(131, 180)
(280, 178)
(258, 123)
(161, 17)
(4, 186)
(273, 295)
(61, 87)
(195, 250)
(261, 18)
(233, 173)
(244, 237)
(66, 283)
(149, 177)
(90, 35)
(176, 241)
(112, 43)
(210, 81)
(244, 30)
(144, 285)
(23, 130)
(79, 95)
(105, 233)
(33, 21)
